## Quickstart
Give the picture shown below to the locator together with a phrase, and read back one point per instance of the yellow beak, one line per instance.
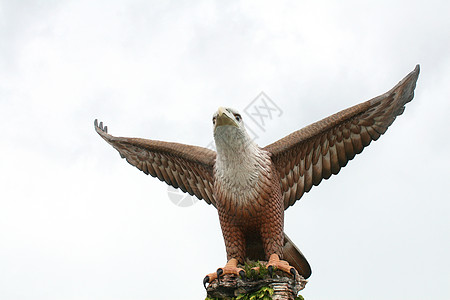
(224, 117)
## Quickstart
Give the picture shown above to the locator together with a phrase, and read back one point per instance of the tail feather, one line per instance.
(295, 257)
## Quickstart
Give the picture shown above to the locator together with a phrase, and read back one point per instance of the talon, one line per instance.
(205, 281)
(106, 129)
(101, 125)
(230, 268)
(282, 265)
(95, 123)
(294, 273)
(219, 272)
(270, 270)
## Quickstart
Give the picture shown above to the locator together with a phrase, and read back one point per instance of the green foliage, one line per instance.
(264, 293)
(251, 274)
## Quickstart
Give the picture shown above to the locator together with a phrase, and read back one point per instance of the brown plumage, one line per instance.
(252, 186)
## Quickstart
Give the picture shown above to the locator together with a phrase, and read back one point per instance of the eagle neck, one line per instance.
(242, 170)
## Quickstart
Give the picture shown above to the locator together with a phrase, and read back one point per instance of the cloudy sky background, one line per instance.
(78, 222)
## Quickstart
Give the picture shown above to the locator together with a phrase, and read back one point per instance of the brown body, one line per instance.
(254, 229)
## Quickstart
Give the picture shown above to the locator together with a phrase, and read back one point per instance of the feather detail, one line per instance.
(323, 148)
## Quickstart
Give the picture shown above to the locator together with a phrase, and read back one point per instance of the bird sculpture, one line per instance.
(250, 186)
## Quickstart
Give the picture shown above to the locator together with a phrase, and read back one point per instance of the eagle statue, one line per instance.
(250, 186)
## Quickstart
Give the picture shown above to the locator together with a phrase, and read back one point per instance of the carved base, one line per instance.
(231, 286)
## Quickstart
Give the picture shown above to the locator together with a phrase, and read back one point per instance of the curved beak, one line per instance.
(224, 117)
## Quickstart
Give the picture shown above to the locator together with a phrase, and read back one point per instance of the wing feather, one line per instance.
(311, 154)
(189, 168)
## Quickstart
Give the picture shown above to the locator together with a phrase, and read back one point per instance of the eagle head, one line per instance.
(227, 116)
(229, 130)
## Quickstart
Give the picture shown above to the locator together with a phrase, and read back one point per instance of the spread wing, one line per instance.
(189, 168)
(313, 153)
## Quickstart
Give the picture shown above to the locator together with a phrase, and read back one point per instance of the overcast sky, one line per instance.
(78, 222)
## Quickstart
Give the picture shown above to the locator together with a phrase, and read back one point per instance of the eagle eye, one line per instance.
(238, 117)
